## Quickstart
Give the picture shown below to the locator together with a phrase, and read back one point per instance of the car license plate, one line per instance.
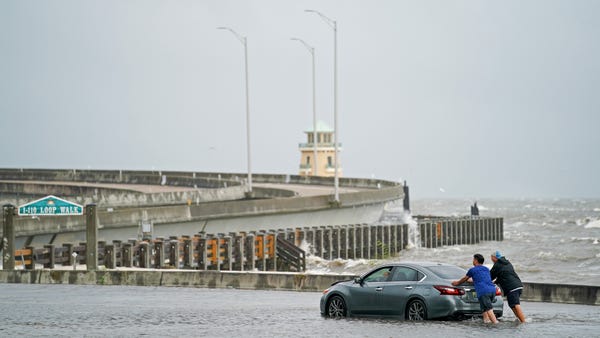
(473, 294)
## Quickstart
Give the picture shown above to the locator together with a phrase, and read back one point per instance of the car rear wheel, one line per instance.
(336, 307)
(416, 310)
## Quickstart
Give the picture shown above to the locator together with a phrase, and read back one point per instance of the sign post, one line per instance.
(53, 206)
(91, 238)
(8, 238)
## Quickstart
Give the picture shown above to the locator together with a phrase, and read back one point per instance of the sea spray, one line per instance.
(414, 235)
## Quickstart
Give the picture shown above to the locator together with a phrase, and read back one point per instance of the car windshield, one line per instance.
(448, 272)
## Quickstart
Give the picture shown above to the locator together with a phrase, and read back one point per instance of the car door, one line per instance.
(402, 285)
(366, 297)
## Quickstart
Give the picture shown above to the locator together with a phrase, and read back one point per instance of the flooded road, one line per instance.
(94, 311)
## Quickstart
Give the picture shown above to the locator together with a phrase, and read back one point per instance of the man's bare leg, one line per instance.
(486, 317)
(491, 316)
(519, 313)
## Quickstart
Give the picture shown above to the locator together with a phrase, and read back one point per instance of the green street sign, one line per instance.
(50, 206)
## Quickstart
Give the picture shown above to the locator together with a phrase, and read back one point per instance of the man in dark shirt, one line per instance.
(504, 274)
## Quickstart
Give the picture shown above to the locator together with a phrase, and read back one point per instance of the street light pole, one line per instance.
(311, 49)
(244, 42)
(333, 25)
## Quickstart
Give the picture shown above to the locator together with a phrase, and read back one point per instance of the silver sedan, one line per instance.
(413, 291)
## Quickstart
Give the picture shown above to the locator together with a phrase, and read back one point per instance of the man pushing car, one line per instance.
(485, 289)
(504, 275)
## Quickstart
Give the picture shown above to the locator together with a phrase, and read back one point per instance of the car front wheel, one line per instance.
(416, 310)
(336, 307)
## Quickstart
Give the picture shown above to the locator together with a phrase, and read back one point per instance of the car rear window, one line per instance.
(448, 272)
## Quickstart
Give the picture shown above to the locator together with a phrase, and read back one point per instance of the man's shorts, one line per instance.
(513, 298)
(485, 302)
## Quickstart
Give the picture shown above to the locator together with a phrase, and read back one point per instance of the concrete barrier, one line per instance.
(534, 292)
(190, 278)
(561, 293)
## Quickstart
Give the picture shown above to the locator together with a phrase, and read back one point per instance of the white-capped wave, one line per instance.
(585, 239)
(593, 224)
(354, 262)
(544, 254)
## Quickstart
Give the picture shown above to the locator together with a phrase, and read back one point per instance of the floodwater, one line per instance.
(97, 311)
(547, 241)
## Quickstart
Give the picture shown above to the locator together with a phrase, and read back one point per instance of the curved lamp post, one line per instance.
(333, 25)
(311, 50)
(244, 42)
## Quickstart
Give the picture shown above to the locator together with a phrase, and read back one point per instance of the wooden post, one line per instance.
(159, 254)
(290, 235)
(335, 242)
(300, 237)
(144, 260)
(110, 256)
(327, 241)
(463, 232)
(372, 242)
(127, 255)
(400, 237)
(250, 252)
(343, 242)
(433, 233)
(387, 236)
(188, 254)
(91, 238)
(202, 253)
(319, 243)
(117, 247)
(68, 254)
(238, 252)
(49, 248)
(8, 238)
(228, 246)
(393, 239)
(456, 224)
(174, 253)
(351, 241)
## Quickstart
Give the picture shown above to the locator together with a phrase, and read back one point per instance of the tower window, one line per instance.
(329, 161)
(307, 160)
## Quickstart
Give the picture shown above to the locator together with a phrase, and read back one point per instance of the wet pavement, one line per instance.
(94, 311)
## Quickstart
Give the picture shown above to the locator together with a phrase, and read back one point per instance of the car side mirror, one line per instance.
(358, 280)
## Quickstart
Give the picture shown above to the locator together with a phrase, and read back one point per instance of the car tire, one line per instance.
(416, 310)
(336, 307)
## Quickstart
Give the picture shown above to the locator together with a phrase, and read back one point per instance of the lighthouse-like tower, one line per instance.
(324, 163)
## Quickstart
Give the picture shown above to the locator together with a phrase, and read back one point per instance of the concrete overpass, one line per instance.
(184, 203)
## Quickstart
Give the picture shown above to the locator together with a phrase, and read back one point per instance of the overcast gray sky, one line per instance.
(461, 98)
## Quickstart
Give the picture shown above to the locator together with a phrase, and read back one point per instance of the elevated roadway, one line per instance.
(184, 203)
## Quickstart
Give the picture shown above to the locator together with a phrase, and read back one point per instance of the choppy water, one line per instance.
(28, 310)
(555, 241)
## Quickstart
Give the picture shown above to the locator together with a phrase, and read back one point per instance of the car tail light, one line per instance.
(448, 290)
(498, 292)
(325, 291)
